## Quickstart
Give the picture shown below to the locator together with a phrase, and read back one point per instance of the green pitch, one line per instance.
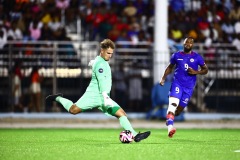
(103, 144)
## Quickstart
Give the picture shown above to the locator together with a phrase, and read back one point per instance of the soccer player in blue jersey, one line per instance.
(187, 65)
(97, 94)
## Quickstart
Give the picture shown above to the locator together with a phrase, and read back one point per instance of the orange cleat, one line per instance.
(171, 132)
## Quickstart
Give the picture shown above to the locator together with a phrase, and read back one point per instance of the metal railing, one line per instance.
(64, 66)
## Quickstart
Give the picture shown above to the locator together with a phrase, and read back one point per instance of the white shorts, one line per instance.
(35, 88)
(16, 100)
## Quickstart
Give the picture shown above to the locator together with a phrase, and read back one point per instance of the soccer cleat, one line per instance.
(171, 132)
(141, 136)
(53, 97)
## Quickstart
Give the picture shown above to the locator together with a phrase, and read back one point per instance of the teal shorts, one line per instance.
(91, 100)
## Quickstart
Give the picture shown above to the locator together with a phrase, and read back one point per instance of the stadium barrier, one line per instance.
(64, 66)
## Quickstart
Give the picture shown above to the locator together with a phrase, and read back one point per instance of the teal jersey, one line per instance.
(101, 76)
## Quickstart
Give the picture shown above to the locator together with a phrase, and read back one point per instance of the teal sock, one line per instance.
(124, 122)
(65, 102)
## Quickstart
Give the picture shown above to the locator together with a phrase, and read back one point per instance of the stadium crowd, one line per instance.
(208, 21)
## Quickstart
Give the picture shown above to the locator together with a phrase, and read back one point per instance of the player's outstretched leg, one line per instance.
(53, 97)
(66, 103)
(141, 136)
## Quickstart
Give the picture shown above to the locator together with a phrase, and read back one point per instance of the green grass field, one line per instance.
(103, 144)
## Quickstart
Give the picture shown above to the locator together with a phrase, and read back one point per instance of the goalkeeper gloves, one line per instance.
(107, 100)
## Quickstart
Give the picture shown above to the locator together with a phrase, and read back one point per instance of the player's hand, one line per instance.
(91, 63)
(107, 100)
(162, 82)
(191, 71)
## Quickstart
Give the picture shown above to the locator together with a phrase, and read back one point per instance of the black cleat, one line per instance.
(141, 136)
(53, 97)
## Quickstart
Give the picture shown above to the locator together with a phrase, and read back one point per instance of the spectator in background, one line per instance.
(1, 12)
(47, 16)
(217, 27)
(237, 27)
(46, 33)
(13, 31)
(176, 33)
(236, 42)
(107, 25)
(159, 98)
(62, 4)
(85, 10)
(35, 7)
(3, 39)
(35, 29)
(17, 87)
(118, 28)
(35, 89)
(140, 6)
(54, 24)
(210, 54)
(122, 41)
(123, 38)
(203, 25)
(114, 33)
(227, 29)
(129, 10)
(177, 5)
(134, 30)
(235, 13)
(94, 19)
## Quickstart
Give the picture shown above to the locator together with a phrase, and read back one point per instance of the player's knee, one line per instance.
(177, 113)
(173, 103)
(74, 110)
(178, 110)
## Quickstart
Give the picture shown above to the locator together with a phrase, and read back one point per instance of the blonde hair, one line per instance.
(106, 43)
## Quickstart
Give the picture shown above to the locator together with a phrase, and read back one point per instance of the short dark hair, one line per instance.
(106, 43)
(190, 38)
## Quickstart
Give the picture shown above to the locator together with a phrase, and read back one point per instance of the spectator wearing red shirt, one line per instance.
(35, 89)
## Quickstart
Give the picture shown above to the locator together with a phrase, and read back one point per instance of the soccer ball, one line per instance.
(126, 136)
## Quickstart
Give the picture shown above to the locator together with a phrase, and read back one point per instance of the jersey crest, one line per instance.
(100, 70)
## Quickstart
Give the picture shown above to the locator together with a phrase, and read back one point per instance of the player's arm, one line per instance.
(203, 70)
(101, 74)
(167, 71)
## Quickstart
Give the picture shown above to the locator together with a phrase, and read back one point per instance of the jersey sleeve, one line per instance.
(201, 61)
(172, 59)
(102, 76)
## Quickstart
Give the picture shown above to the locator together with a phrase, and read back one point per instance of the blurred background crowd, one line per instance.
(208, 21)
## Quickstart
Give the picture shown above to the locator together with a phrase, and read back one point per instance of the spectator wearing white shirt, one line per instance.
(236, 42)
(3, 38)
(14, 32)
(237, 27)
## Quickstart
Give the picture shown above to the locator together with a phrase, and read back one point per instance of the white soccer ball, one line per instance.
(126, 136)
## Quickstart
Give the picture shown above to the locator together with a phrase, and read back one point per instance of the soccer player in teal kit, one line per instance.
(186, 64)
(97, 94)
